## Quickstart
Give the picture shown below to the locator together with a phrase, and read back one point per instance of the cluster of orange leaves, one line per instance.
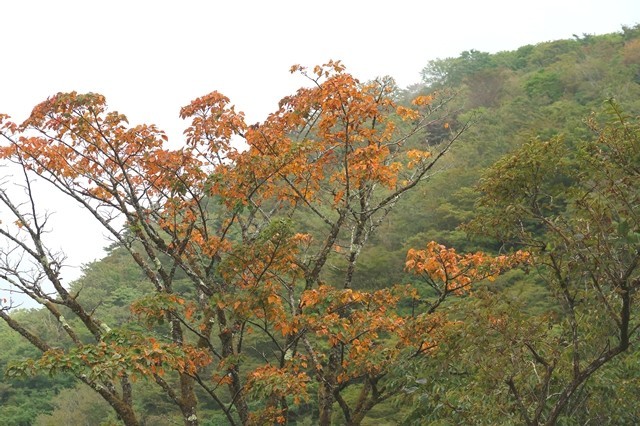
(269, 382)
(261, 273)
(133, 355)
(156, 306)
(279, 381)
(360, 321)
(457, 272)
(323, 134)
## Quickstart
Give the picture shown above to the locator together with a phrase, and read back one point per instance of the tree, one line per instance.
(76, 406)
(453, 71)
(241, 311)
(577, 209)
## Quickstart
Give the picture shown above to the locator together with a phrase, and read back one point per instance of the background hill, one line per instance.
(537, 91)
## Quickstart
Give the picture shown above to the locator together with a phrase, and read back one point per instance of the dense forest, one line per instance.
(462, 251)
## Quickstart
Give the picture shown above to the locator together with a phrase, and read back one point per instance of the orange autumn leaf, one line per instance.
(422, 100)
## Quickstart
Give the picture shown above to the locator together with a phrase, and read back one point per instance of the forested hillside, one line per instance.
(463, 251)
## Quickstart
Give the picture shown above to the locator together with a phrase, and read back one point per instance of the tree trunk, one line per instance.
(327, 387)
(188, 401)
(325, 403)
(235, 387)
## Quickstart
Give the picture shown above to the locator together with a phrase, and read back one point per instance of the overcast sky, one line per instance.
(149, 58)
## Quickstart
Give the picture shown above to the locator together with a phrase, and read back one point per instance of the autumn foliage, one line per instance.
(226, 213)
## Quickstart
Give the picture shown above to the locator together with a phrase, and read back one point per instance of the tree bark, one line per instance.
(327, 386)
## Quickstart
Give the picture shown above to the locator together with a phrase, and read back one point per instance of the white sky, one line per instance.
(149, 58)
